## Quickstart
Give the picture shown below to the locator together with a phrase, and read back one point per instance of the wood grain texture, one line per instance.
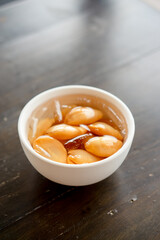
(113, 45)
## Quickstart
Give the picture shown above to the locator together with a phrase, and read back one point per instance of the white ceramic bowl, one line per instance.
(67, 174)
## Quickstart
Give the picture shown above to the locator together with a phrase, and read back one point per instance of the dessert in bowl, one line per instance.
(76, 135)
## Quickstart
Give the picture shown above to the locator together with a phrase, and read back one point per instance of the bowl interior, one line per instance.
(43, 97)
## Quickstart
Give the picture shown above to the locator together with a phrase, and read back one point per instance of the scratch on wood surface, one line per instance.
(5, 119)
(2, 184)
(9, 180)
(67, 230)
(3, 196)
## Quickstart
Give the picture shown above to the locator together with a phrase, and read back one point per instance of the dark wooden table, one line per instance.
(113, 45)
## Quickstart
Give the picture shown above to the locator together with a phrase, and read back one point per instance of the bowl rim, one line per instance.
(129, 139)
